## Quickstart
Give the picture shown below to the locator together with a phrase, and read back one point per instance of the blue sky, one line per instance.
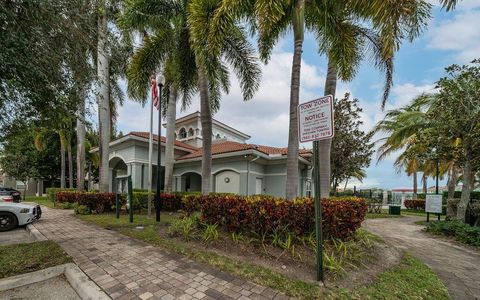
(450, 38)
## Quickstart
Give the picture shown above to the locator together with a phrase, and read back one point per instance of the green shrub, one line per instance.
(98, 202)
(210, 232)
(265, 215)
(185, 227)
(462, 232)
(52, 193)
(169, 202)
(82, 209)
(66, 205)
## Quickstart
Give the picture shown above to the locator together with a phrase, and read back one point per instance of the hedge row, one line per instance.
(52, 192)
(265, 215)
(415, 204)
(462, 232)
(98, 202)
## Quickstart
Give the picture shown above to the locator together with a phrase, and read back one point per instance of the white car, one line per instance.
(15, 214)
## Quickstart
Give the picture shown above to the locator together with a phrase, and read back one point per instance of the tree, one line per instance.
(456, 113)
(103, 93)
(341, 35)
(18, 157)
(32, 72)
(351, 147)
(188, 24)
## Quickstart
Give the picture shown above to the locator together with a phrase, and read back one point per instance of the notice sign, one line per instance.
(315, 119)
(433, 204)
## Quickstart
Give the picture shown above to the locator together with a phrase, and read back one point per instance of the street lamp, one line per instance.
(161, 82)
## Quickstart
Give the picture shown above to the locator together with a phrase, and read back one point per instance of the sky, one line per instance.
(451, 37)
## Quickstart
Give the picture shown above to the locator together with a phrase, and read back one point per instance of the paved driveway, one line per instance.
(129, 269)
(457, 266)
(15, 236)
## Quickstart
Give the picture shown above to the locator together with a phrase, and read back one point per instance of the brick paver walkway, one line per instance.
(457, 266)
(129, 269)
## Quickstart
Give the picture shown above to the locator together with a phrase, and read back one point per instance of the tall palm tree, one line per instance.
(103, 61)
(181, 42)
(339, 27)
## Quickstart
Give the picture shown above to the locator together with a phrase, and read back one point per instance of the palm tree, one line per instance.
(63, 133)
(339, 27)
(178, 42)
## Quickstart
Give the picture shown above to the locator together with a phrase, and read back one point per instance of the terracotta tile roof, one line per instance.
(164, 140)
(229, 146)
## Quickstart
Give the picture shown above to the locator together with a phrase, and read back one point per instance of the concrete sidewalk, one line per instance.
(126, 268)
(456, 265)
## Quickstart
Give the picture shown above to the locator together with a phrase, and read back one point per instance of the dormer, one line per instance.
(188, 129)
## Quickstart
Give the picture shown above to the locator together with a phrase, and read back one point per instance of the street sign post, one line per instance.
(315, 120)
(433, 204)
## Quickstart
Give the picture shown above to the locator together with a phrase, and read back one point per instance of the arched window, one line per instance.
(190, 132)
(182, 133)
(218, 136)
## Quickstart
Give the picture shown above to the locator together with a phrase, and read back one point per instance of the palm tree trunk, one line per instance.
(325, 146)
(206, 120)
(345, 187)
(293, 145)
(415, 185)
(452, 181)
(424, 181)
(62, 165)
(466, 187)
(103, 98)
(70, 164)
(170, 146)
(81, 145)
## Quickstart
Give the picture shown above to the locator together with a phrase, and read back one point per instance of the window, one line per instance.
(190, 132)
(218, 136)
(182, 133)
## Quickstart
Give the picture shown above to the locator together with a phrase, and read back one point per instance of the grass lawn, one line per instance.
(24, 258)
(40, 200)
(411, 279)
(382, 215)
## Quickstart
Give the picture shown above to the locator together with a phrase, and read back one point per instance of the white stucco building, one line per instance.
(237, 166)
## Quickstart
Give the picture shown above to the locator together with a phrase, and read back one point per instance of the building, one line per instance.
(237, 166)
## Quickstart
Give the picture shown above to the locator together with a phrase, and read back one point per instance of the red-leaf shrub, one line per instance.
(99, 202)
(266, 214)
(415, 204)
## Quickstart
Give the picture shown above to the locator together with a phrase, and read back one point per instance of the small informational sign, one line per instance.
(433, 204)
(315, 119)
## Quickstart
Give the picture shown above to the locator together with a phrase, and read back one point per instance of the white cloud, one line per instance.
(458, 34)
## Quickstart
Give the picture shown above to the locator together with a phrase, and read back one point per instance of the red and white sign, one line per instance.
(315, 119)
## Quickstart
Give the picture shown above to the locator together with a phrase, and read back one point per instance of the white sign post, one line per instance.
(433, 204)
(315, 119)
(315, 122)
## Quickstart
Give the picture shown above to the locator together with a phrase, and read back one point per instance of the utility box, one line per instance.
(394, 210)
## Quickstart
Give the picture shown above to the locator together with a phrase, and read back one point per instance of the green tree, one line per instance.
(18, 157)
(351, 147)
(342, 37)
(456, 113)
(189, 22)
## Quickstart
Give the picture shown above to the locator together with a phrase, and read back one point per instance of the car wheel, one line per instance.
(8, 221)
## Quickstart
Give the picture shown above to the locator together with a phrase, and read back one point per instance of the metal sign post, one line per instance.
(129, 197)
(316, 123)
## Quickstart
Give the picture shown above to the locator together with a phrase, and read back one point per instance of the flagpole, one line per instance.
(150, 159)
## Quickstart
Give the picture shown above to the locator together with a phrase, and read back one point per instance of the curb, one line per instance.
(35, 233)
(83, 286)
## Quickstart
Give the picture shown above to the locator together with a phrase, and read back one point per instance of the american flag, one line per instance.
(155, 98)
